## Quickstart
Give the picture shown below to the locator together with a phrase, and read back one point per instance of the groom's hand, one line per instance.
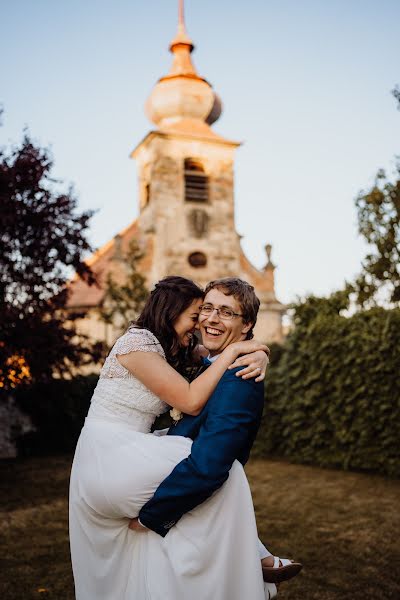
(135, 525)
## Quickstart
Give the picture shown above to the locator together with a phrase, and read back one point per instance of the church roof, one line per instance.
(263, 281)
(109, 259)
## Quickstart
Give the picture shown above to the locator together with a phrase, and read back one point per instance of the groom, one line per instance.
(227, 426)
(225, 429)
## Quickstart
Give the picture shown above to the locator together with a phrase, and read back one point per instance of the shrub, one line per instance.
(333, 397)
(58, 410)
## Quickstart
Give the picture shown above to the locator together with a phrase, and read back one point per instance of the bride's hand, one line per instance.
(136, 526)
(255, 365)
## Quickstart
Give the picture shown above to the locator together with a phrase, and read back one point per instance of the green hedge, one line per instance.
(333, 390)
(58, 410)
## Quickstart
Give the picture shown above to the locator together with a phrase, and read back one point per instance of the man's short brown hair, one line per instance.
(244, 293)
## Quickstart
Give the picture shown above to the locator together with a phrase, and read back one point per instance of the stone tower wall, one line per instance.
(172, 219)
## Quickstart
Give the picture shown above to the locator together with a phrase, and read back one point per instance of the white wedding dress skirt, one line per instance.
(212, 553)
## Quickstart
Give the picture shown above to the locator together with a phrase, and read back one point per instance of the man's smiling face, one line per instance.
(218, 333)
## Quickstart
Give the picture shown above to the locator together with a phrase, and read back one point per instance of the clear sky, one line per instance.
(305, 85)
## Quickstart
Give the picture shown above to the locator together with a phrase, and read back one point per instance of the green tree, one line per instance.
(123, 302)
(42, 239)
(379, 224)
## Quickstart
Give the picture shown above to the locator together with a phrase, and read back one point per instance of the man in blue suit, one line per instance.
(226, 428)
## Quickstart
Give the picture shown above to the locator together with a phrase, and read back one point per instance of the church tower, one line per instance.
(186, 175)
(186, 186)
(186, 222)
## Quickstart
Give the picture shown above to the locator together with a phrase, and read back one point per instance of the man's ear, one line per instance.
(246, 327)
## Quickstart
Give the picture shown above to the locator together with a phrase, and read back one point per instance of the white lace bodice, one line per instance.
(118, 393)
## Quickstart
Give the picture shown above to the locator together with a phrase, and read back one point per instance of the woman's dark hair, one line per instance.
(169, 298)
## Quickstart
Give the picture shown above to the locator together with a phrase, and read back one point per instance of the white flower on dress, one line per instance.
(176, 414)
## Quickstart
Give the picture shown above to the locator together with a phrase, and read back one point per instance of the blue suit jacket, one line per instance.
(224, 431)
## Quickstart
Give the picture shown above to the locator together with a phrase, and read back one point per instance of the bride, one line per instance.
(119, 464)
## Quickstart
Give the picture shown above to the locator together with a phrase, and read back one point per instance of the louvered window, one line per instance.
(146, 194)
(196, 181)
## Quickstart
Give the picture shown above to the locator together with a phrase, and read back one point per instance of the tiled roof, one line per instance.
(263, 281)
(104, 261)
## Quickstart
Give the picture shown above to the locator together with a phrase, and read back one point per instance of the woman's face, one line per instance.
(186, 324)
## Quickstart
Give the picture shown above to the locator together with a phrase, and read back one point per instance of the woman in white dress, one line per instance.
(212, 553)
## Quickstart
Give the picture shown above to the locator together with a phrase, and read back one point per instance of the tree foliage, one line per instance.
(333, 390)
(42, 240)
(379, 224)
(123, 302)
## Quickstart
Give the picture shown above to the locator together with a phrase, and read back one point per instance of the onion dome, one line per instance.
(182, 99)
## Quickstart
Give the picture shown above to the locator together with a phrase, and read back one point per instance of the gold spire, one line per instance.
(181, 35)
(181, 13)
(181, 48)
(182, 100)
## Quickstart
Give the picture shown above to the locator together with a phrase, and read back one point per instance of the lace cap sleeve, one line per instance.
(137, 340)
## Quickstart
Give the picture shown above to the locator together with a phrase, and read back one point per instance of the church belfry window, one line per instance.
(196, 181)
(147, 194)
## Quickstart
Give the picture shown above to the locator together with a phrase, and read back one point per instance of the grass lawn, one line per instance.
(344, 527)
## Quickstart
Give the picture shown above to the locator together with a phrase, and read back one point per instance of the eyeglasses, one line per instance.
(226, 314)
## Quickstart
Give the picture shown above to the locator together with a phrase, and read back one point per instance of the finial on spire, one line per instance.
(181, 19)
(270, 264)
(181, 35)
(181, 13)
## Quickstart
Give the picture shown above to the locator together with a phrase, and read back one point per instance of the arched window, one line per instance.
(146, 194)
(196, 181)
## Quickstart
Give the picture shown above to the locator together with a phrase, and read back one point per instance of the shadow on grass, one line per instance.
(342, 526)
